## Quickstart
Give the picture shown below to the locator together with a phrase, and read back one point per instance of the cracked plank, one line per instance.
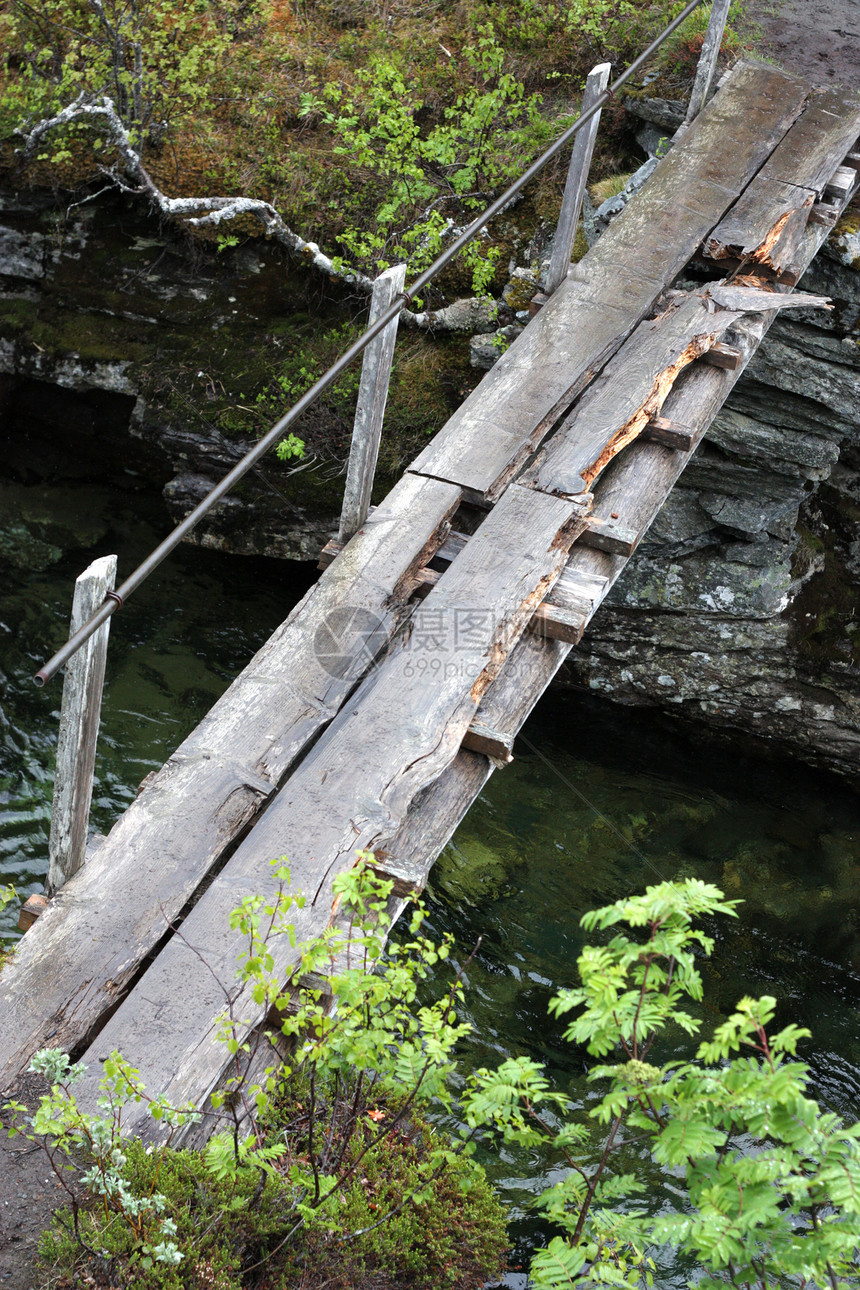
(352, 794)
(629, 394)
(107, 918)
(766, 225)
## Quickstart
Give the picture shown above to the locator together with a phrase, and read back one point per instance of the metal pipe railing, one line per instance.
(116, 599)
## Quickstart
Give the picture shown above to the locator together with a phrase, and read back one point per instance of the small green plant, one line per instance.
(290, 447)
(66, 1131)
(765, 1184)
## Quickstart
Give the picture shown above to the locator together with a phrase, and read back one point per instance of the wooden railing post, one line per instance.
(577, 177)
(79, 727)
(370, 409)
(708, 58)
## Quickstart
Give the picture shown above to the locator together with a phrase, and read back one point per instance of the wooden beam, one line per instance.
(577, 177)
(727, 356)
(197, 807)
(356, 787)
(625, 399)
(841, 183)
(708, 57)
(370, 408)
(80, 715)
(669, 433)
(33, 907)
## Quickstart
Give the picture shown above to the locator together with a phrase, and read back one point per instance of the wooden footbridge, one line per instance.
(374, 715)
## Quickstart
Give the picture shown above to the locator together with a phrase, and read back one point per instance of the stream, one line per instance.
(556, 833)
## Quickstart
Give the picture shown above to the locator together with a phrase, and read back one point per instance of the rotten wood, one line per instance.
(614, 286)
(766, 225)
(629, 394)
(194, 810)
(356, 789)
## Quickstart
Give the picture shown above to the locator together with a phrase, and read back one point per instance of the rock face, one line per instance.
(103, 304)
(740, 609)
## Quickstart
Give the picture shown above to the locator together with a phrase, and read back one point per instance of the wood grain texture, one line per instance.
(495, 430)
(192, 811)
(352, 794)
(577, 177)
(615, 409)
(80, 716)
(370, 407)
(767, 223)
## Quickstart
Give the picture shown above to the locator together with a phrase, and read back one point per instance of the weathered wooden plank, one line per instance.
(105, 920)
(80, 716)
(707, 64)
(577, 177)
(352, 794)
(766, 225)
(721, 355)
(370, 407)
(631, 391)
(495, 430)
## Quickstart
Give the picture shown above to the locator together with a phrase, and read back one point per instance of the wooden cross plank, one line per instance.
(352, 794)
(766, 224)
(109, 916)
(629, 394)
(496, 429)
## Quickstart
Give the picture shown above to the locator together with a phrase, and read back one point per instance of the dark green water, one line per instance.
(173, 650)
(553, 835)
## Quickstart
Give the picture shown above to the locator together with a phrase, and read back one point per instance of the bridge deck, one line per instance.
(294, 759)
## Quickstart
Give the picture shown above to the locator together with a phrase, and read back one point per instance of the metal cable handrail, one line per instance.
(114, 600)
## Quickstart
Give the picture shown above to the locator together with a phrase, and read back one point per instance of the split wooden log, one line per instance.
(356, 790)
(629, 394)
(195, 809)
(766, 225)
(500, 425)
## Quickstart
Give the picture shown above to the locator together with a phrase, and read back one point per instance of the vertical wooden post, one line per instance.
(577, 177)
(370, 409)
(79, 727)
(708, 58)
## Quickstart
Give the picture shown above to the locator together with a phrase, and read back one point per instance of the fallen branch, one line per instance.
(209, 212)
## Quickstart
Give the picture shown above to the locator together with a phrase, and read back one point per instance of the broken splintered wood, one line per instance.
(624, 400)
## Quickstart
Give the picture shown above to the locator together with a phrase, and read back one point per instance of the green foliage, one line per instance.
(152, 58)
(768, 1183)
(7, 895)
(327, 1157)
(481, 141)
